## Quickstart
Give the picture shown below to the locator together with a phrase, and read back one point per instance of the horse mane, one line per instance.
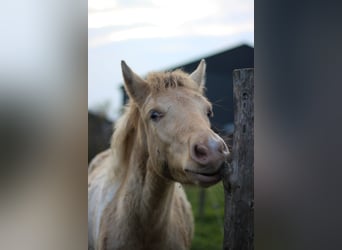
(123, 138)
(126, 127)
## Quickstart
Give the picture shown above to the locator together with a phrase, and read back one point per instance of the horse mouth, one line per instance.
(205, 179)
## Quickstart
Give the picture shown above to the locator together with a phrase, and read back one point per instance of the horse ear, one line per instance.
(136, 87)
(199, 74)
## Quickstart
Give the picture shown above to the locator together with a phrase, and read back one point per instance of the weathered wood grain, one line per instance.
(238, 178)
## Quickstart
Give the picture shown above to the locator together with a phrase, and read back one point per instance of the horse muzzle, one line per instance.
(208, 154)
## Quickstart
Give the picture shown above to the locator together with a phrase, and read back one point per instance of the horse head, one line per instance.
(175, 115)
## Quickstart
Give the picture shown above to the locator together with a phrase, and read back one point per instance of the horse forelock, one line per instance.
(161, 81)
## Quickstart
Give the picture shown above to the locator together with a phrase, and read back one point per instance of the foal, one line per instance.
(135, 198)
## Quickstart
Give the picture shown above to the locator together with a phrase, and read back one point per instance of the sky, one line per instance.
(152, 35)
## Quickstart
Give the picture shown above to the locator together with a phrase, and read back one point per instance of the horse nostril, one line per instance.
(201, 152)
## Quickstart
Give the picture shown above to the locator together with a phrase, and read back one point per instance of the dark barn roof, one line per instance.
(219, 82)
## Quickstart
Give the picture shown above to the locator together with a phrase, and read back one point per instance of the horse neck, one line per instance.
(157, 195)
(150, 195)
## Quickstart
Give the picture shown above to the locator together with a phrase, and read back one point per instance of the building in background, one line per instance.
(100, 130)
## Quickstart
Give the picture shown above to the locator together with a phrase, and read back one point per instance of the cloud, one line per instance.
(163, 19)
(167, 14)
(101, 5)
(159, 32)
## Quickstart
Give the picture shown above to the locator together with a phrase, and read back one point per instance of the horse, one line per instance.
(163, 140)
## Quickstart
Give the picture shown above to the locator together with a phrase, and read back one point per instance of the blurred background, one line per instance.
(43, 124)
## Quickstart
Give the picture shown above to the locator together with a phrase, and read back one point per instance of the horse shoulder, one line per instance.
(98, 160)
(101, 192)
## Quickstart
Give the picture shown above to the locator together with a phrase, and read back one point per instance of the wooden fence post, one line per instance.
(238, 175)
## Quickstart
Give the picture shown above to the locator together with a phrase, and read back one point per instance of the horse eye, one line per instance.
(155, 115)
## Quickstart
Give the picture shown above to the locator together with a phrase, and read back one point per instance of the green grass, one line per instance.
(209, 228)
